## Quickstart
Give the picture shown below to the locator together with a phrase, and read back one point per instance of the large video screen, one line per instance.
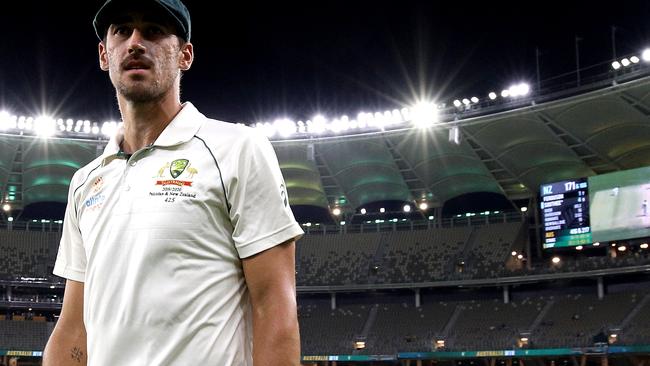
(565, 213)
(619, 205)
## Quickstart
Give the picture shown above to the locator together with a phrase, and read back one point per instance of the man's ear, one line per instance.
(186, 56)
(103, 58)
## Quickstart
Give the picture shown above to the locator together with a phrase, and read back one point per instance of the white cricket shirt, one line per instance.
(158, 241)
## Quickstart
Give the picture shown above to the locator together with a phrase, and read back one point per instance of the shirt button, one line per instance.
(134, 162)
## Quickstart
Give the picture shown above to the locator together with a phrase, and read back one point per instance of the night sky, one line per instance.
(264, 61)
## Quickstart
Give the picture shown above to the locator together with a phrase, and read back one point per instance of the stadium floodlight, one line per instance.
(336, 211)
(7, 121)
(634, 59)
(625, 62)
(514, 253)
(6, 207)
(362, 120)
(622, 248)
(520, 256)
(382, 210)
(431, 217)
(345, 122)
(10, 219)
(424, 114)
(268, 129)
(505, 93)
(301, 127)
(423, 205)
(406, 114)
(645, 55)
(44, 126)
(457, 103)
(109, 128)
(342, 223)
(596, 244)
(524, 209)
(555, 260)
(492, 95)
(474, 100)
(466, 101)
(397, 116)
(407, 208)
(519, 90)
(319, 124)
(21, 123)
(616, 65)
(285, 127)
(363, 211)
(29, 123)
(579, 247)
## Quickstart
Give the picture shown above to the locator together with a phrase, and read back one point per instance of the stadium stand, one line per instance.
(24, 335)
(330, 330)
(27, 253)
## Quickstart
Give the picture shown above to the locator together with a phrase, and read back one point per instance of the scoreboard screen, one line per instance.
(565, 213)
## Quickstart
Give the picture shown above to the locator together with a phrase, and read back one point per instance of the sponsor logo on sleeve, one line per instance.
(96, 200)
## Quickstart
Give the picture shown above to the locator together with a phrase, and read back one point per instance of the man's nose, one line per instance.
(136, 42)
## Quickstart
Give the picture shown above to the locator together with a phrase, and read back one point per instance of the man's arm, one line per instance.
(271, 280)
(67, 344)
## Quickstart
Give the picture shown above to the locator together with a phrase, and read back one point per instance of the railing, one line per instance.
(383, 225)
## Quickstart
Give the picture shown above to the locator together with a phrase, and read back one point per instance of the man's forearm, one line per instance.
(276, 337)
(65, 349)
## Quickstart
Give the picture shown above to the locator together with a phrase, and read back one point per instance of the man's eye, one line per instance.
(121, 30)
(156, 31)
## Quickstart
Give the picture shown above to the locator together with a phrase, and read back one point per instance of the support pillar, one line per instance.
(333, 300)
(417, 298)
(601, 288)
(506, 294)
(8, 293)
(604, 361)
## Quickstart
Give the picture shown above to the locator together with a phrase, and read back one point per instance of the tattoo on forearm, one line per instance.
(76, 354)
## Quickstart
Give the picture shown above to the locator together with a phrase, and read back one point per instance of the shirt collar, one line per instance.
(181, 129)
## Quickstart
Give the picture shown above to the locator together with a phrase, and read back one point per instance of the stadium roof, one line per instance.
(510, 152)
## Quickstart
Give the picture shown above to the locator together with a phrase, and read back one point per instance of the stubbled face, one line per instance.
(143, 57)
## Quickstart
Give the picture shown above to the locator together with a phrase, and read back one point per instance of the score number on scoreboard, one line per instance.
(565, 213)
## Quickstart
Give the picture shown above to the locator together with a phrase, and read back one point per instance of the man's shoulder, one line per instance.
(82, 173)
(223, 133)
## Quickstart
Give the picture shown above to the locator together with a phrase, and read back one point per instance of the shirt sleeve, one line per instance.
(71, 258)
(260, 211)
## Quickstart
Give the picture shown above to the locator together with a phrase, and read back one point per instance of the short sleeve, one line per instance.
(260, 211)
(71, 259)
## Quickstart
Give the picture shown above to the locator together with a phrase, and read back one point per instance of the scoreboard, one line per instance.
(565, 213)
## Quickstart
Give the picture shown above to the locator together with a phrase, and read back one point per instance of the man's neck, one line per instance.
(144, 122)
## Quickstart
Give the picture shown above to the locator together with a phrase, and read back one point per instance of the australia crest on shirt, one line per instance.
(174, 180)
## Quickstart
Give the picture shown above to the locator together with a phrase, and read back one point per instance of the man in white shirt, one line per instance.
(179, 243)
